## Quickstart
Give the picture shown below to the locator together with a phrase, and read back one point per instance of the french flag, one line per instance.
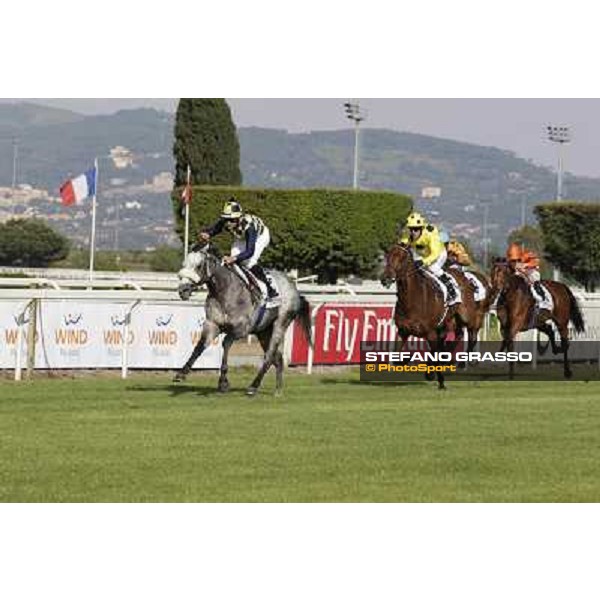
(77, 190)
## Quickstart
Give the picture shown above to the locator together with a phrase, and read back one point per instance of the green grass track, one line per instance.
(329, 438)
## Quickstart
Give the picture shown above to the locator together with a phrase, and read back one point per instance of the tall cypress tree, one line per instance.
(206, 139)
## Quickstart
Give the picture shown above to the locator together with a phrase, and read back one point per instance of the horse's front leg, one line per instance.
(223, 380)
(209, 333)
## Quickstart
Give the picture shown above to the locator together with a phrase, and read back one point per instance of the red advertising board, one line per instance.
(339, 330)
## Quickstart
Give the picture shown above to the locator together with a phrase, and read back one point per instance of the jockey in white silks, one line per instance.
(251, 239)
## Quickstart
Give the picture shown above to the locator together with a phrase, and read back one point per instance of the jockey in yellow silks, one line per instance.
(458, 256)
(429, 251)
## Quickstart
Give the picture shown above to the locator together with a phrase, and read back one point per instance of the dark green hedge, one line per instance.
(326, 232)
(571, 233)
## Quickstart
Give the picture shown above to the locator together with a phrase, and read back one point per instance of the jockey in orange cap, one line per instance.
(527, 264)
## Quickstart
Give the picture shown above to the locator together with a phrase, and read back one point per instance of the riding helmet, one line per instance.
(232, 210)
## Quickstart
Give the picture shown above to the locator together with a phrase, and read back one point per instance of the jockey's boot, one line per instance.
(451, 287)
(259, 273)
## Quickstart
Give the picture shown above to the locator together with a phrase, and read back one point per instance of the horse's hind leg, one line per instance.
(223, 380)
(564, 345)
(271, 342)
(209, 333)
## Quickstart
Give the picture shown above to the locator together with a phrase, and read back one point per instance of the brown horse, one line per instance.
(420, 309)
(517, 311)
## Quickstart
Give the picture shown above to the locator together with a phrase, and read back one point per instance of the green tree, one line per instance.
(206, 139)
(571, 233)
(30, 243)
(532, 238)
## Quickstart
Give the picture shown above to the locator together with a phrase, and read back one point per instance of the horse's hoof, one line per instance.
(179, 378)
(569, 375)
(278, 393)
(251, 392)
(223, 388)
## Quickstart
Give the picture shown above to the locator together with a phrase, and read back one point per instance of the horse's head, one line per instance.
(501, 271)
(396, 263)
(198, 269)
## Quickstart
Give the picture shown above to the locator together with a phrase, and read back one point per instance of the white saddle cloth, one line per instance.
(543, 304)
(480, 291)
(444, 288)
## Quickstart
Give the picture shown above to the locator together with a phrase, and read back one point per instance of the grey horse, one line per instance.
(232, 309)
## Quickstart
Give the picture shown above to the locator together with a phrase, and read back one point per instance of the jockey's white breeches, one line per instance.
(437, 268)
(262, 243)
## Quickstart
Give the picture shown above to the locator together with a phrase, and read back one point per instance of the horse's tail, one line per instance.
(575, 314)
(304, 317)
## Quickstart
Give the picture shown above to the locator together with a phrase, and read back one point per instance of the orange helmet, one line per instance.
(531, 259)
(515, 252)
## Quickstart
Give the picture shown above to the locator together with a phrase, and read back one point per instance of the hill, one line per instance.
(469, 176)
(54, 144)
(15, 118)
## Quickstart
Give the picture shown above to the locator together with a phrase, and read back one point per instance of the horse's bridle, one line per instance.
(205, 274)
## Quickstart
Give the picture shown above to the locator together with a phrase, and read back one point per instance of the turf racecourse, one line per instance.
(328, 439)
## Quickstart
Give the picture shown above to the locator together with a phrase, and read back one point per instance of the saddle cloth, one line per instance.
(480, 292)
(441, 284)
(543, 304)
(251, 281)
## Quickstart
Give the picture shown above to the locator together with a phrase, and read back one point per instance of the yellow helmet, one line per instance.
(416, 220)
(232, 210)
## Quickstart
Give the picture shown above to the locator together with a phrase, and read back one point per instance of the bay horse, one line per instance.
(232, 309)
(516, 309)
(420, 307)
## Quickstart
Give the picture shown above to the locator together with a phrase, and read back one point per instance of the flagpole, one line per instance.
(93, 236)
(186, 242)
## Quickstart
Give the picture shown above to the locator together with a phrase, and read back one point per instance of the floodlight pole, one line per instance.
(356, 147)
(486, 250)
(561, 136)
(355, 114)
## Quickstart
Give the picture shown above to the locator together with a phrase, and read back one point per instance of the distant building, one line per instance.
(121, 157)
(431, 193)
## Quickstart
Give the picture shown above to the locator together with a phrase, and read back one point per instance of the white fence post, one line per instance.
(125, 341)
(313, 329)
(21, 322)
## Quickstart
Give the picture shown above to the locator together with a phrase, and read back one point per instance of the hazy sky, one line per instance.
(514, 124)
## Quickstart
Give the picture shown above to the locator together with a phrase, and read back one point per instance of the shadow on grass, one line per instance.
(176, 390)
(373, 383)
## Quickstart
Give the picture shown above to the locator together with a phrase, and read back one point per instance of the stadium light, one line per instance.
(559, 135)
(357, 115)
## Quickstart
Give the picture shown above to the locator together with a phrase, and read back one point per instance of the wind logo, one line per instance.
(114, 336)
(70, 335)
(163, 337)
(12, 335)
(71, 320)
(164, 321)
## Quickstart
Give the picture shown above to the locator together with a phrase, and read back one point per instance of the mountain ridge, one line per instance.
(55, 144)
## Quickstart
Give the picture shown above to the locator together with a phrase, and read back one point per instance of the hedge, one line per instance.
(571, 233)
(326, 232)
